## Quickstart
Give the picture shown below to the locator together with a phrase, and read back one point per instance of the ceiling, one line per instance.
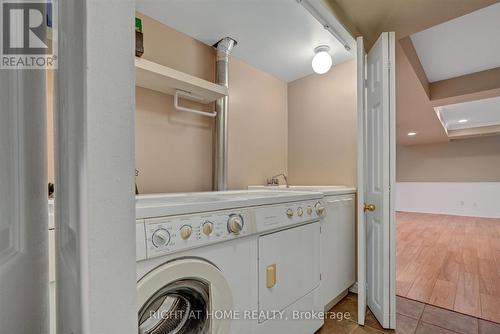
(477, 113)
(276, 36)
(371, 17)
(464, 45)
(414, 112)
(416, 95)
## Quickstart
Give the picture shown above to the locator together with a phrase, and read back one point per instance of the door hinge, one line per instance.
(366, 83)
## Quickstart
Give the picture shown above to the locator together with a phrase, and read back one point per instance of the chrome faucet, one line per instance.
(274, 181)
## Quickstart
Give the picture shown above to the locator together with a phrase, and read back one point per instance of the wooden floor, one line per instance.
(450, 261)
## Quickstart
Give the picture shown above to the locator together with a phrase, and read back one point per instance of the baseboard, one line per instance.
(354, 288)
(475, 199)
(336, 300)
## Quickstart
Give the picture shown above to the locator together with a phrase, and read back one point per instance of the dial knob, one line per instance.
(235, 224)
(208, 228)
(309, 210)
(320, 209)
(185, 232)
(161, 237)
(289, 213)
(300, 212)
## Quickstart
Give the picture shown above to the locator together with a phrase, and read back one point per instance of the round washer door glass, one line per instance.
(180, 307)
(178, 297)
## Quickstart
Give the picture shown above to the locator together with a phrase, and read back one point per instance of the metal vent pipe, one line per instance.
(224, 47)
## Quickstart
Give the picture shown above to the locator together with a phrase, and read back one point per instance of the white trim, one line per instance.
(94, 124)
(354, 288)
(361, 238)
(392, 180)
(475, 199)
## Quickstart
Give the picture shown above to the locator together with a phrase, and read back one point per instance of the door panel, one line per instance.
(378, 152)
(292, 257)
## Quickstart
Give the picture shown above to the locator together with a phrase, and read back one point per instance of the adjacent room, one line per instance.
(448, 158)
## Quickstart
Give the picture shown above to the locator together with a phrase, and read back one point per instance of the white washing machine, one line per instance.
(228, 262)
(193, 272)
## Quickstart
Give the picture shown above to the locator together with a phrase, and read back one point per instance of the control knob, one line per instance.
(300, 212)
(320, 209)
(235, 224)
(208, 228)
(185, 232)
(160, 237)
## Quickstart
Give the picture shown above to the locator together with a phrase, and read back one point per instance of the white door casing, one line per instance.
(361, 74)
(379, 163)
(94, 121)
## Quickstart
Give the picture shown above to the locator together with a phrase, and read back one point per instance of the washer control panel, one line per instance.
(172, 234)
(281, 216)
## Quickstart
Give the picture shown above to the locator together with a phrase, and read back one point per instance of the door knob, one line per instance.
(369, 207)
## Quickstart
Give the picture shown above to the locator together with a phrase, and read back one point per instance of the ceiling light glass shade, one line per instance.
(412, 133)
(322, 61)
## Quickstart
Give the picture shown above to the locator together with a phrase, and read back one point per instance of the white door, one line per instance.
(378, 162)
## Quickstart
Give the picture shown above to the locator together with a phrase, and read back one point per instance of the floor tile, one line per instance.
(409, 308)
(456, 322)
(467, 298)
(424, 328)
(368, 330)
(371, 321)
(337, 327)
(405, 325)
(451, 267)
(443, 294)
(489, 281)
(490, 308)
(488, 327)
(348, 304)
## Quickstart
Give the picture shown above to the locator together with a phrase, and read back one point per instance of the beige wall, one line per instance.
(174, 149)
(322, 125)
(258, 126)
(469, 160)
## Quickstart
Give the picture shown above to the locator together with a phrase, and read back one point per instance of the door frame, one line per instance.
(361, 237)
(392, 180)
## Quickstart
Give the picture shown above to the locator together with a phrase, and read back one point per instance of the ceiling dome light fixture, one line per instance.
(322, 61)
(411, 134)
(463, 120)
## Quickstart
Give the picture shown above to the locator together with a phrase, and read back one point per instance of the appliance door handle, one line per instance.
(271, 276)
(334, 201)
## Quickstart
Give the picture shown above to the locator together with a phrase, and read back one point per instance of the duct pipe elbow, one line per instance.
(224, 47)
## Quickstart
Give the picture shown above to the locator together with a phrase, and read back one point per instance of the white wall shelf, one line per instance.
(164, 79)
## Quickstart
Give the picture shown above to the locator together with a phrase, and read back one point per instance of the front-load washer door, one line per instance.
(183, 297)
